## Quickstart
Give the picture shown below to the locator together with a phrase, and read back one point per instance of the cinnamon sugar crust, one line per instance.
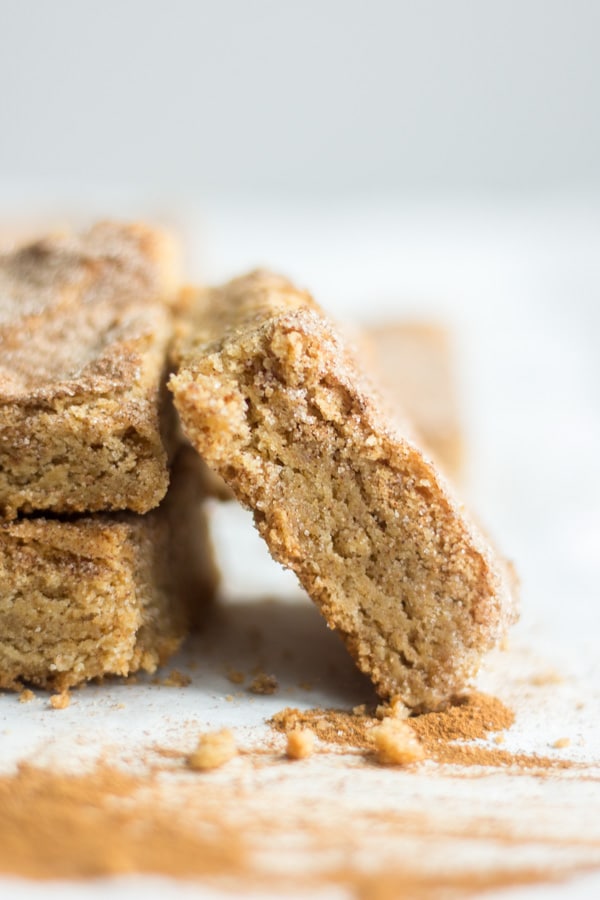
(84, 330)
(102, 595)
(274, 403)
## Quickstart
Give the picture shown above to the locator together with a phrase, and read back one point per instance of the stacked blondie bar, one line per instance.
(102, 564)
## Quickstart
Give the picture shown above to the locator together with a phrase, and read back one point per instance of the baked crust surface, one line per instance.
(271, 399)
(84, 330)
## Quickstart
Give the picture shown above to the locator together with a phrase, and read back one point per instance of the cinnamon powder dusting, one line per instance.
(446, 736)
(107, 822)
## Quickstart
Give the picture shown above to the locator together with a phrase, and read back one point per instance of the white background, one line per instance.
(321, 97)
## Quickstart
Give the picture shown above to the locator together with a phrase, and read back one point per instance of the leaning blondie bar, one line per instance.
(84, 328)
(270, 398)
(108, 594)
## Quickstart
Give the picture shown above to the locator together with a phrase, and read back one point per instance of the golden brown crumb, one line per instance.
(300, 743)
(499, 739)
(395, 743)
(229, 697)
(359, 710)
(177, 679)
(60, 701)
(395, 709)
(235, 676)
(26, 696)
(561, 743)
(214, 749)
(264, 684)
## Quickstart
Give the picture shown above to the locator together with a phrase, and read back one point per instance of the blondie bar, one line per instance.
(84, 330)
(272, 400)
(107, 594)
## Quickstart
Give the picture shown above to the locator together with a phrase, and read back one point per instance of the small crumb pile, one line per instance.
(214, 750)
(447, 737)
(333, 726)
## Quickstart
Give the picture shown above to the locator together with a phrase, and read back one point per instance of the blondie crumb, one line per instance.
(26, 696)
(60, 701)
(175, 678)
(215, 748)
(395, 709)
(300, 743)
(395, 743)
(264, 684)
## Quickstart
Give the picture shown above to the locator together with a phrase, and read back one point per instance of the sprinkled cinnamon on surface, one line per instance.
(469, 717)
(442, 735)
(333, 726)
(107, 822)
(54, 825)
(214, 750)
